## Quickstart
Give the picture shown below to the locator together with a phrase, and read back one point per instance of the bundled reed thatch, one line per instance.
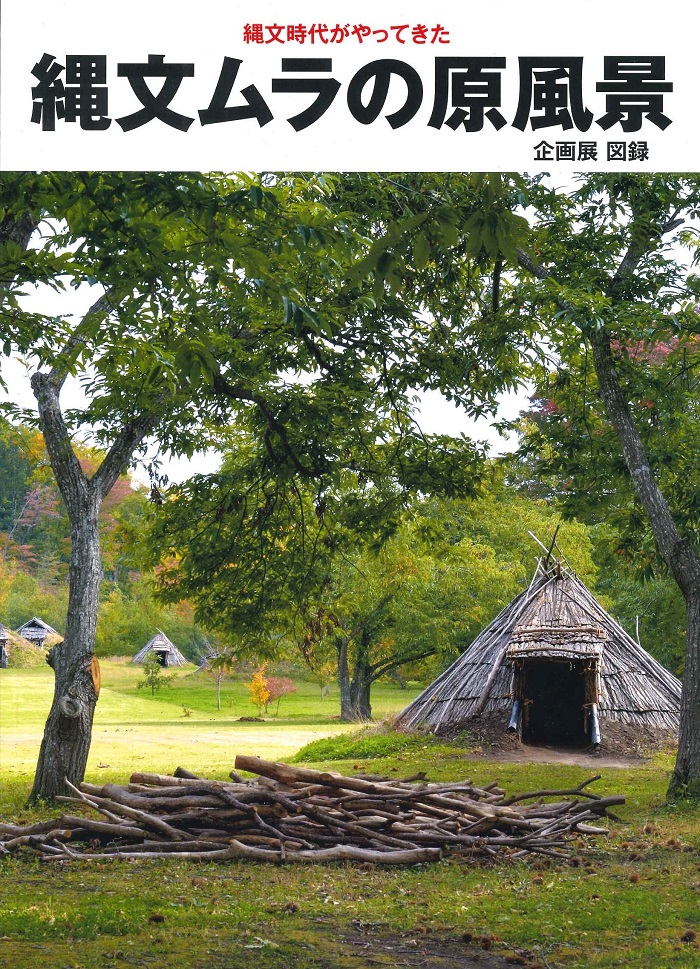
(555, 621)
(4, 636)
(21, 654)
(36, 631)
(165, 650)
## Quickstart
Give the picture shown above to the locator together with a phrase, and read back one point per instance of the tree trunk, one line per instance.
(677, 550)
(360, 692)
(678, 553)
(18, 230)
(685, 780)
(66, 743)
(355, 689)
(344, 680)
(68, 730)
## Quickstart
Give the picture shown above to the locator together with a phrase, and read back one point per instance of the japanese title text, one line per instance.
(465, 93)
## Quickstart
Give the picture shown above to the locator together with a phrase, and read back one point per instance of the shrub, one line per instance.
(278, 687)
(259, 689)
(363, 744)
(153, 676)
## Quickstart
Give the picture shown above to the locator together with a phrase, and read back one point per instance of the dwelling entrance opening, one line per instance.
(555, 697)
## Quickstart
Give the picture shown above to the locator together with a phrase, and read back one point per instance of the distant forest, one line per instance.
(497, 557)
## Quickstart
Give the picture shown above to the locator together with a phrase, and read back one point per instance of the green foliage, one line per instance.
(271, 535)
(126, 621)
(651, 603)
(25, 597)
(357, 576)
(153, 677)
(183, 255)
(363, 745)
(648, 311)
(15, 471)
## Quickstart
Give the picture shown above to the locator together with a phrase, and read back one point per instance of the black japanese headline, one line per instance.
(466, 93)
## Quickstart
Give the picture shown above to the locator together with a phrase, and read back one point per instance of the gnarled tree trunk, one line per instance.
(354, 688)
(68, 731)
(360, 687)
(66, 743)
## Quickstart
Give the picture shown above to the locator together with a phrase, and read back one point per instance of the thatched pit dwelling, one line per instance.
(555, 668)
(4, 636)
(168, 654)
(36, 631)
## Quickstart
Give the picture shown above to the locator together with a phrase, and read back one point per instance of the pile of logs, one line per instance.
(290, 813)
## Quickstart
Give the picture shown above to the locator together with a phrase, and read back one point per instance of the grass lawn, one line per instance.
(135, 730)
(630, 900)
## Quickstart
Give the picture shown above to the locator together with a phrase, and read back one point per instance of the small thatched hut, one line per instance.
(36, 631)
(555, 666)
(4, 636)
(168, 654)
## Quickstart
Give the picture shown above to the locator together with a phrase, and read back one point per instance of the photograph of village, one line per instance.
(349, 569)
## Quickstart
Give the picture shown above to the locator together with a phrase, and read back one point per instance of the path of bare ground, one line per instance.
(558, 755)
(623, 745)
(368, 948)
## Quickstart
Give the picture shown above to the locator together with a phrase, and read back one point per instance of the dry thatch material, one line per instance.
(21, 654)
(36, 631)
(4, 636)
(167, 652)
(552, 630)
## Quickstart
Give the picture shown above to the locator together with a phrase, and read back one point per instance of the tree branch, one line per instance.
(363, 623)
(677, 551)
(119, 454)
(236, 392)
(77, 340)
(379, 669)
(69, 475)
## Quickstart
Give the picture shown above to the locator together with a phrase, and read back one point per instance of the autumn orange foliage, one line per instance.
(259, 689)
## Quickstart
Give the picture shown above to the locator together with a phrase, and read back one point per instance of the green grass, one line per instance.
(626, 900)
(134, 730)
(366, 744)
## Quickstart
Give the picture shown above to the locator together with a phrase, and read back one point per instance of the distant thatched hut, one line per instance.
(36, 631)
(556, 667)
(4, 637)
(168, 654)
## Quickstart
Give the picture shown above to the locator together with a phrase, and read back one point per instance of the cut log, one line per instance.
(295, 814)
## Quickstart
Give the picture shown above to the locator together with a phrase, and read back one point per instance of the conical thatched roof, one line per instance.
(35, 629)
(555, 620)
(164, 647)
